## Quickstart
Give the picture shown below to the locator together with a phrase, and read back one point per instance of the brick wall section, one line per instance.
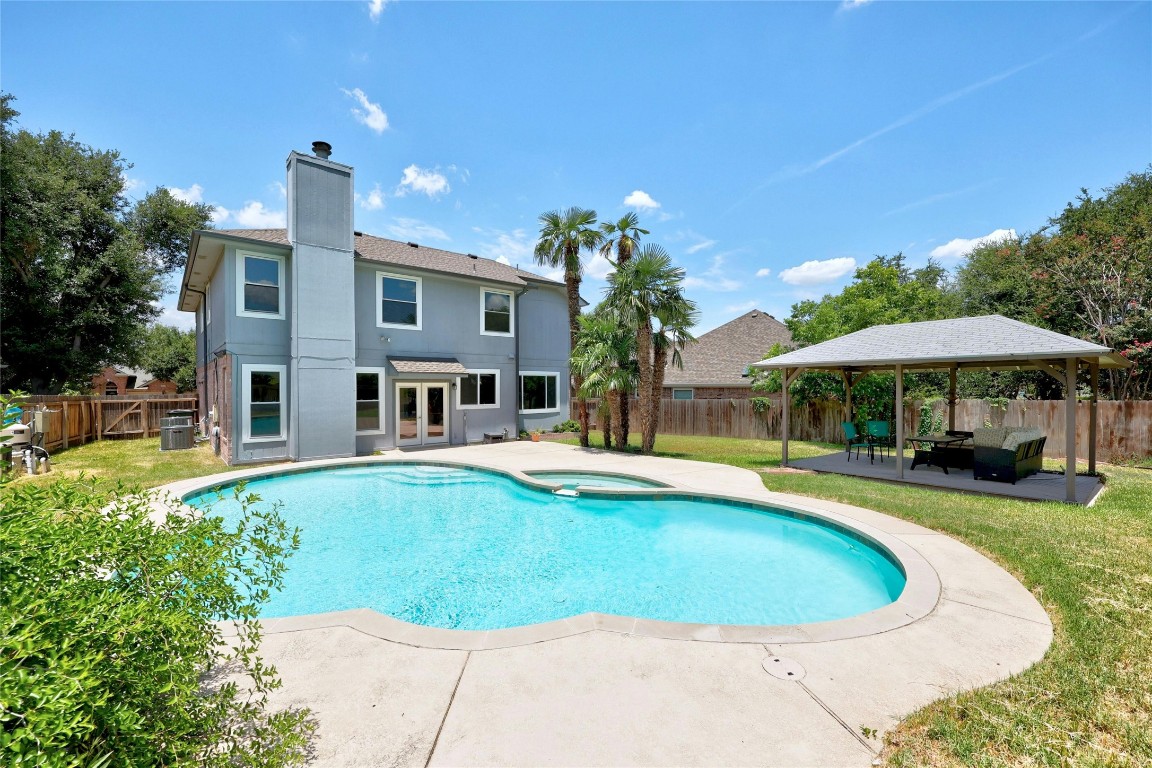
(715, 393)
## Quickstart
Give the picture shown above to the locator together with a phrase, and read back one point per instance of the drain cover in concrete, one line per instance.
(785, 669)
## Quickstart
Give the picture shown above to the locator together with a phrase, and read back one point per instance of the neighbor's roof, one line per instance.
(720, 357)
(991, 341)
(381, 249)
(408, 364)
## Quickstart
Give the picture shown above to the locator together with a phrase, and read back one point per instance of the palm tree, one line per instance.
(648, 286)
(563, 235)
(676, 316)
(623, 236)
(603, 356)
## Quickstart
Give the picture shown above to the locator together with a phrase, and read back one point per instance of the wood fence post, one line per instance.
(63, 422)
(144, 416)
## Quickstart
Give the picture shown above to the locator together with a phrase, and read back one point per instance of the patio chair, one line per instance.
(880, 433)
(853, 439)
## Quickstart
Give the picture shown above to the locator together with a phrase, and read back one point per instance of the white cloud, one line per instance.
(220, 214)
(741, 308)
(954, 249)
(598, 267)
(170, 315)
(370, 114)
(510, 248)
(817, 272)
(415, 230)
(130, 184)
(375, 8)
(255, 216)
(641, 199)
(429, 181)
(713, 278)
(765, 272)
(848, 5)
(700, 246)
(374, 201)
(194, 194)
(281, 189)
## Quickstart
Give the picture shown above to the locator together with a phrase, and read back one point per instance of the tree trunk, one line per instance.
(659, 361)
(615, 400)
(606, 421)
(572, 282)
(644, 361)
(625, 406)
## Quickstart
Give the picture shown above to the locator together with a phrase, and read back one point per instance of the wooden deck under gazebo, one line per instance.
(991, 342)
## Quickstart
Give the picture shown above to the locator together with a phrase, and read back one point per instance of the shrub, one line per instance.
(110, 651)
(567, 426)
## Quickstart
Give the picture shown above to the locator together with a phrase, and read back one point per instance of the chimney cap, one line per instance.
(322, 149)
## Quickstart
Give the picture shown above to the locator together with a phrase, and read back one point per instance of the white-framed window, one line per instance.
(264, 398)
(682, 394)
(398, 303)
(539, 391)
(496, 313)
(259, 285)
(478, 389)
(370, 400)
(207, 303)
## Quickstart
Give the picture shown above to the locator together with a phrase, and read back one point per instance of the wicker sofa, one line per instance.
(1007, 454)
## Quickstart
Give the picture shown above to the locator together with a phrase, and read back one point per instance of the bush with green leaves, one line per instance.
(567, 426)
(112, 649)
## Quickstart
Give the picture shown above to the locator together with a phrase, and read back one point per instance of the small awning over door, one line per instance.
(443, 366)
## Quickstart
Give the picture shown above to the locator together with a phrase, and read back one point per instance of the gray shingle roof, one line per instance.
(385, 251)
(720, 357)
(408, 364)
(991, 339)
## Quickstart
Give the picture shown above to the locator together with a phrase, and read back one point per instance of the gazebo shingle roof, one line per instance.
(988, 341)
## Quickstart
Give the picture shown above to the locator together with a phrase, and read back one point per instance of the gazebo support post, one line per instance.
(847, 378)
(900, 421)
(1070, 429)
(1094, 375)
(952, 397)
(786, 402)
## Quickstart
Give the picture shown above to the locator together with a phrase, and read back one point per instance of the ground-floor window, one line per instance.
(681, 394)
(264, 402)
(369, 399)
(478, 389)
(538, 391)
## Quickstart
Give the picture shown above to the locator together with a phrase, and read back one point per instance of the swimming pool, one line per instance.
(468, 549)
(571, 479)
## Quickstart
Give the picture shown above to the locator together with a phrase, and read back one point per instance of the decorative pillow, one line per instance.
(1017, 436)
(989, 437)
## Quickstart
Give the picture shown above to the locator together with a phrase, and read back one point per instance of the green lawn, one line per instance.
(1089, 702)
(135, 462)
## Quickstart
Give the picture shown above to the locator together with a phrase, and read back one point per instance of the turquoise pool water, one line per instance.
(463, 549)
(590, 479)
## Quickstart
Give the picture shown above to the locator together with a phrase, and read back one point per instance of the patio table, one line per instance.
(929, 449)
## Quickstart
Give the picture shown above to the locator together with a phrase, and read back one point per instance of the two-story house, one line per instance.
(319, 341)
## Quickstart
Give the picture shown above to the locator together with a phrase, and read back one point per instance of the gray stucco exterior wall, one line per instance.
(322, 417)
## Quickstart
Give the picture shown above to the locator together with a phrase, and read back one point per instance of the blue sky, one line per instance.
(770, 147)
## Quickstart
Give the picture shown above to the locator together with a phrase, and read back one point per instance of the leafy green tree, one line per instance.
(649, 288)
(1092, 269)
(80, 267)
(564, 235)
(111, 650)
(169, 353)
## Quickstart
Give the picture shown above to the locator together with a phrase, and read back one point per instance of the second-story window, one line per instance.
(497, 313)
(397, 301)
(260, 281)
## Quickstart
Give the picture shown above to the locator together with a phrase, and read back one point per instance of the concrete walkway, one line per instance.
(603, 695)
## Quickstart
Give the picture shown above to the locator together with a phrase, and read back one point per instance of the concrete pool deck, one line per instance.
(614, 691)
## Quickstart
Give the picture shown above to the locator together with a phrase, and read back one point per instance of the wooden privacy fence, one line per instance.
(72, 421)
(1124, 426)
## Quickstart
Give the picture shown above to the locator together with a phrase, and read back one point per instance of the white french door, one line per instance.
(421, 413)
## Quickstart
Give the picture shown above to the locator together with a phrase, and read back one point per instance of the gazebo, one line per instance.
(990, 343)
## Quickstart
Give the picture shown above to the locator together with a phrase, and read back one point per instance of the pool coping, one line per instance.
(921, 594)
